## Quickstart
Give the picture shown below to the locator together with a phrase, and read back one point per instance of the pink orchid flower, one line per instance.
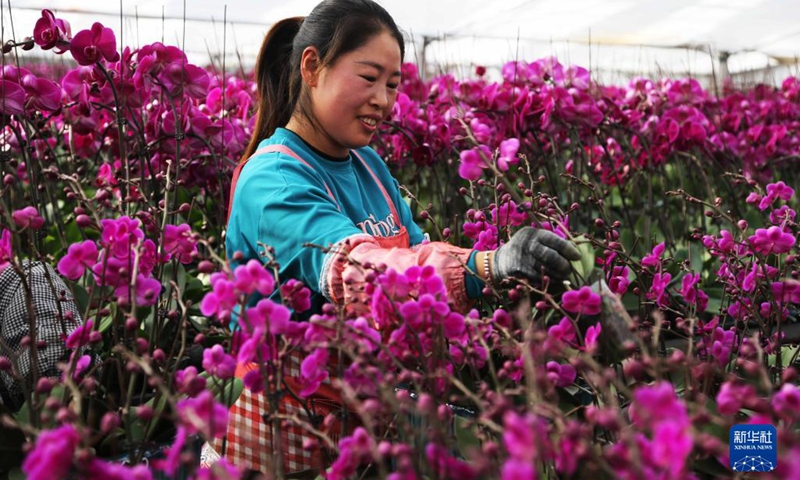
(90, 46)
(28, 217)
(51, 32)
(79, 257)
(582, 301)
(13, 98)
(42, 94)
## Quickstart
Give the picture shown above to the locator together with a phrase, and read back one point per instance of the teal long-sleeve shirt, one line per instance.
(283, 203)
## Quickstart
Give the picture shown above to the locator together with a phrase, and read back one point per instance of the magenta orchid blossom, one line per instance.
(28, 217)
(90, 46)
(51, 32)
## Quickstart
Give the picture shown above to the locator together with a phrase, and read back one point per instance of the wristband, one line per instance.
(487, 272)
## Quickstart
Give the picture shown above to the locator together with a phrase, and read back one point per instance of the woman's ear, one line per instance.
(309, 66)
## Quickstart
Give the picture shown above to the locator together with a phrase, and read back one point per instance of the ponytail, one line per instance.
(278, 81)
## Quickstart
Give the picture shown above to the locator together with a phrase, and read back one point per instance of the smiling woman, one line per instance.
(325, 84)
(351, 97)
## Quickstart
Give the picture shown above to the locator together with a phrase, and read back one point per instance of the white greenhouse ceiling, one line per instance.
(617, 39)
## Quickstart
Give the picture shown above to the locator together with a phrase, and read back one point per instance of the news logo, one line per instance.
(753, 448)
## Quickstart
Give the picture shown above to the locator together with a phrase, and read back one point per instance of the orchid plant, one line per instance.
(680, 320)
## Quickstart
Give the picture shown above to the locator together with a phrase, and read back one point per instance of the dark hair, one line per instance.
(334, 27)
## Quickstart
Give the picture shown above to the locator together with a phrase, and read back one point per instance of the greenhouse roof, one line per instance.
(616, 37)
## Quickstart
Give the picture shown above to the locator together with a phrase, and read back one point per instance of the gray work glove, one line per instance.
(532, 252)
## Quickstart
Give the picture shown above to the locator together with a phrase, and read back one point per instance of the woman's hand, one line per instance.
(533, 252)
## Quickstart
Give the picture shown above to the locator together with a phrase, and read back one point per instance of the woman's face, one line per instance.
(351, 97)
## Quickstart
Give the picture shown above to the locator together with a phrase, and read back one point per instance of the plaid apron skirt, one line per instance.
(249, 438)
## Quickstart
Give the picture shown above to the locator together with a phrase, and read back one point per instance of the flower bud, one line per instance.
(310, 444)
(65, 415)
(52, 403)
(101, 195)
(142, 345)
(752, 368)
(490, 449)
(84, 456)
(159, 355)
(131, 324)
(329, 422)
(45, 384)
(328, 309)
(89, 385)
(634, 369)
(742, 224)
(385, 449)
(426, 404)
(109, 422)
(445, 413)
(144, 413)
(371, 407)
(402, 395)
(205, 266)
(83, 220)
(677, 358)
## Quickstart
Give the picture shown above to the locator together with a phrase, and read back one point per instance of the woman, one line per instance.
(325, 83)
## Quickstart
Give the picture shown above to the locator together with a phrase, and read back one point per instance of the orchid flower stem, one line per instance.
(120, 120)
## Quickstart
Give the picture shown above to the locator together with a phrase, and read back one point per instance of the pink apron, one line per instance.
(249, 439)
